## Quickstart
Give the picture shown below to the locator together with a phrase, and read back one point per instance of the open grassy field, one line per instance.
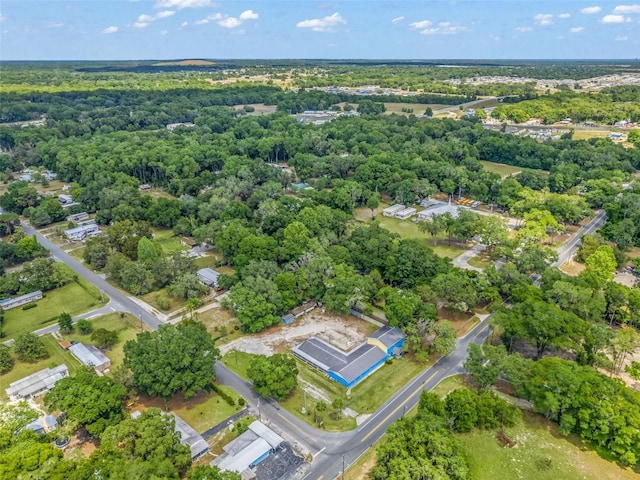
(216, 318)
(418, 108)
(587, 134)
(480, 261)
(202, 412)
(152, 299)
(57, 356)
(127, 327)
(500, 168)
(541, 452)
(72, 298)
(166, 238)
(408, 229)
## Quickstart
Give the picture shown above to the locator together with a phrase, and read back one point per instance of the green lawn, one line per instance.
(127, 327)
(540, 452)
(371, 393)
(238, 362)
(152, 299)
(480, 261)
(418, 108)
(168, 240)
(500, 168)
(72, 298)
(57, 356)
(409, 229)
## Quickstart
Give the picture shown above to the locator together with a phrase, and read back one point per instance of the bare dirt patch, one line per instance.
(571, 267)
(626, 279)
(345, 332)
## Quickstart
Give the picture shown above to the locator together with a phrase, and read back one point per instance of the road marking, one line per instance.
(295, 426)
(486, 327)
(398, 407)
(113, 309)
(320, 477)
(319, 452)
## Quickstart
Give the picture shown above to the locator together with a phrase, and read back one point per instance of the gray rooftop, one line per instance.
(37, 382)
(89, 355)
(387, 335)
(191, 438)
(209, 275)
(349, 365)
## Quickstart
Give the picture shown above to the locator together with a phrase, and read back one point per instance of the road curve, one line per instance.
(119, 301)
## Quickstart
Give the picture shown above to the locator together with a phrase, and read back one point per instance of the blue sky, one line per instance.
(171, 29)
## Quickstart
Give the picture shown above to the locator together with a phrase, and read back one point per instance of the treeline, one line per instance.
(581, 400)
(623, 219)
(424, 447)
(608, 106)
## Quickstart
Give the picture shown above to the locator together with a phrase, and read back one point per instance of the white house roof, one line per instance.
(89, 355)
(265, 432)
(37, 382)
(191, 438)
(246, 457)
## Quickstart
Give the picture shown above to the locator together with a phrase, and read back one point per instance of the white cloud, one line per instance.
(141, 24)
(3, 18)
(621, 38)
(543, 19)
(397, 20)
(564, 15)
(524, 29)
(249, 15)
(54, 24)
(445, 28)
(230, 22)
(591, 10)
(614, 19)
(164, 14)
(110, 30)
(180, 4)
(326, 24)
(164, 32)
(624, 9)
(576, 29)
(184, 24)
(145, 18)
(200, 22)
(421, 24)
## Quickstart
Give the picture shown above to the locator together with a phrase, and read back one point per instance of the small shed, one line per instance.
(392, 210)
(288, 319)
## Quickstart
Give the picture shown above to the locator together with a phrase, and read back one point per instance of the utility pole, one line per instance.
(342, 467)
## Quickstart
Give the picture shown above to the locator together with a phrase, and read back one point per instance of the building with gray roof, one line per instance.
(36, 383)
(208, 277)
(244, 453)
(192, 439)
(10, 303)
(90, 356)
(349, 368)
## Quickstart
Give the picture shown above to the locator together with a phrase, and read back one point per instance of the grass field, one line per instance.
(152, 299)
(409, 229)
(202, 412)
(480, 261)
(57, 356)
(500, 168)
(72, 298)
(166, 238)
(216, 318)
(587, 134)
(540, 452)
(127, 327)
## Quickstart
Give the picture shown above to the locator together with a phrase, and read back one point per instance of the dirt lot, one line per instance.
(344, 332)
(626, 279)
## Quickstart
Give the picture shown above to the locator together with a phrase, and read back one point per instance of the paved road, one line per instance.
(119, 301)
(566, 251)
(474, 103)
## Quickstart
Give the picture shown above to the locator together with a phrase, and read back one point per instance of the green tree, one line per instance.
(485, 363)
(445, 341)
(104, 338)
(205, 472)
(85, 326)
(461, 409)
(602, 263)
(65, 322)
(172, 359)
(275, 376)
(89, 400)
(6, 360)
(29, 347)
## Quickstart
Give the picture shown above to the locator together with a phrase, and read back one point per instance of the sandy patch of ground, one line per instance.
(626, 279)
(344, 332)
(571, 267)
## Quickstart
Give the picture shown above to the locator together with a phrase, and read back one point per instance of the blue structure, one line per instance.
(349, 368)
(288, 319)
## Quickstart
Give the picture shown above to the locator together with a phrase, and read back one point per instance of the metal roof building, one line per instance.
(90, 356)
(248, 450)
(349, 368)
(191, 438)
(10, 303)
(37, 383)
(209, 277)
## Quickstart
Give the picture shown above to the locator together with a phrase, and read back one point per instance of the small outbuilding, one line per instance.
(191, 438)
(82, 231)
(392, 210)
(405, 213)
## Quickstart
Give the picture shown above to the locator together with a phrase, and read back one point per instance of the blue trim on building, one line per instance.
(260, 459)
(359, 378)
